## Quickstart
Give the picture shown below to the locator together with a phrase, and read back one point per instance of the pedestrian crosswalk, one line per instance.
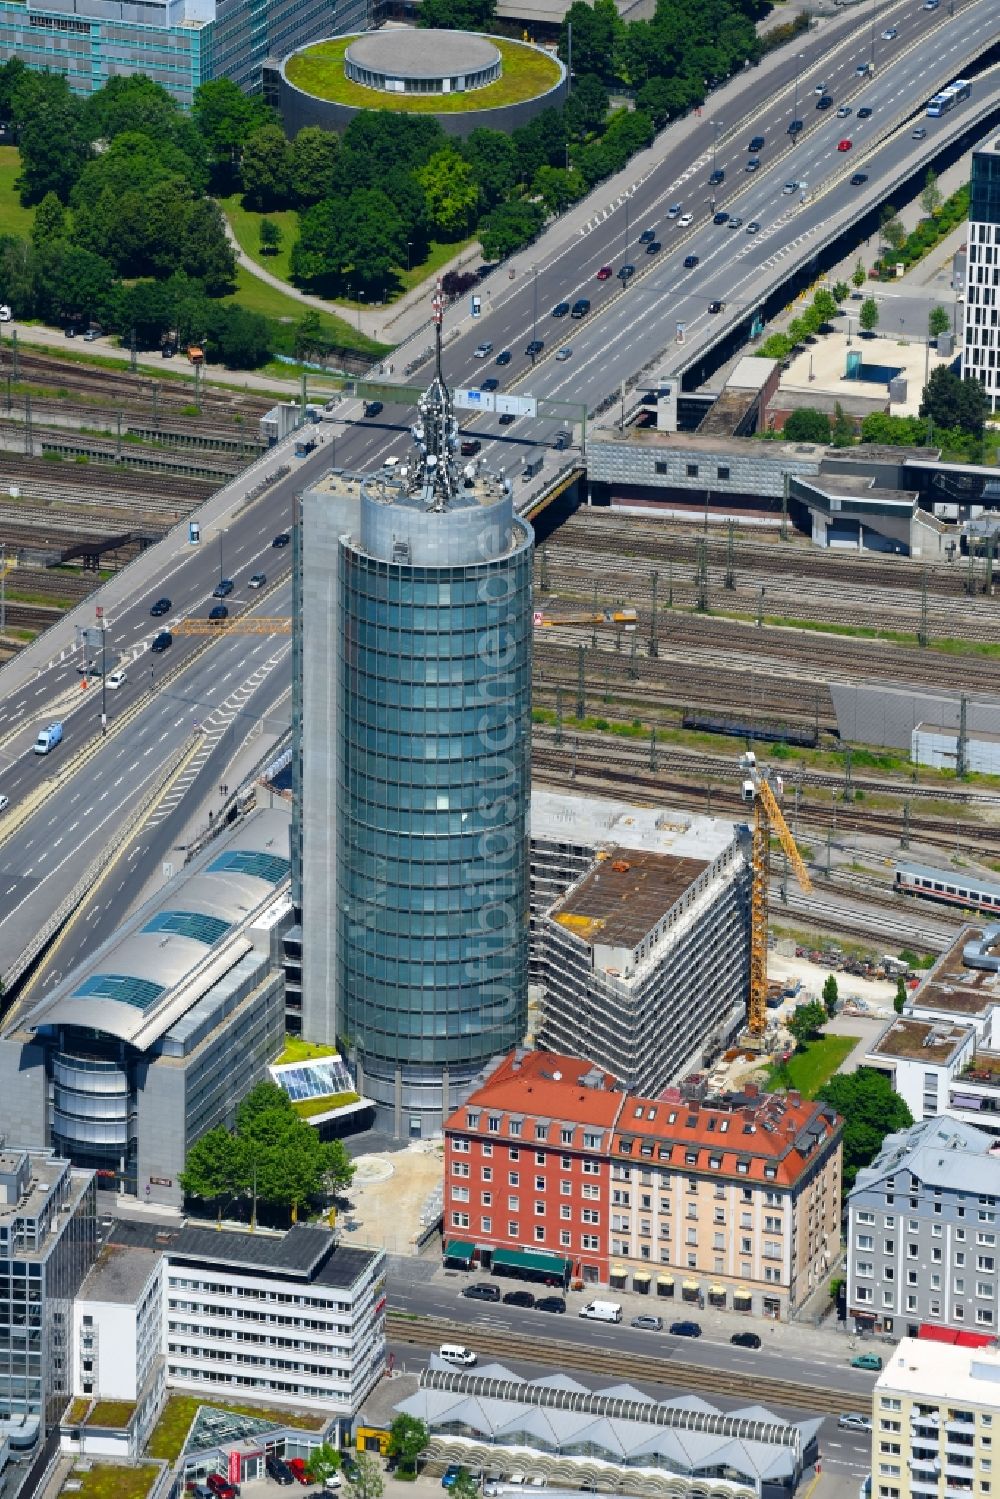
(212, 729)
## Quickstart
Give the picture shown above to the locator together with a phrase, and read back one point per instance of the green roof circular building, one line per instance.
(466, 80)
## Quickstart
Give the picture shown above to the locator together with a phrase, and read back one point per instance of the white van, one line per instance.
(602, 1311)
(48, 738)
(454, 1353)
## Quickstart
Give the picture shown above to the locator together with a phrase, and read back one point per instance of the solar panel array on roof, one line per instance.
(268, 867)
(193, 924)
(140, 993)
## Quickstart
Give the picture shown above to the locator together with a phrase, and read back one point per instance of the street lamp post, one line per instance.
(716, 126)
(795, 106)
(534, 304)
(104, 670)
(626, 227)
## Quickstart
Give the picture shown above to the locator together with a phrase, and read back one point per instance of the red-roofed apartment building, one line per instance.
(732, 1199)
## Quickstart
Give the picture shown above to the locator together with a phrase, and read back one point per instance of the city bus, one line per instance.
(954, 94)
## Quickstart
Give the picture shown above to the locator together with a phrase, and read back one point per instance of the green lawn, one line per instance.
(114, 1481)
(319, 70)
(14, 218)
(113, 1413)
(810, 1068)
(246, 226)
(258, 296)
(170, 1432)
(308, 1108)
(298, 1050)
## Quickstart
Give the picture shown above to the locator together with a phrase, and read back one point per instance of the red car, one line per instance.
(298, 1467)
(605, 273)
(844, 145)
(221, 1486)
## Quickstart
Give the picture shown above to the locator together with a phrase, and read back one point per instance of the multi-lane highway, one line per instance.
(65, 807)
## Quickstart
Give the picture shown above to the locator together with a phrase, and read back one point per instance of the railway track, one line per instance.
(560, 1353)
(655, 542)
(741, 645)
(582, 763)
(111, 388)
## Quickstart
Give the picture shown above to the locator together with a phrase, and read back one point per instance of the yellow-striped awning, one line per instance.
(743, 1290)
(690, 1285)
(717, 1290)
(618, 1270)
(640, 1275)
(665, 1280)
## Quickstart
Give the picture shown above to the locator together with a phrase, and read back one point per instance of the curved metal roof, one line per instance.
(162, 959)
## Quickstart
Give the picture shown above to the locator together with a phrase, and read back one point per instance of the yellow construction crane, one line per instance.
(626, 617)
(763, 788)
(252, 624)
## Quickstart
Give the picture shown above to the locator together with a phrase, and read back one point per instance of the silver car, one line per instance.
(854, 1421)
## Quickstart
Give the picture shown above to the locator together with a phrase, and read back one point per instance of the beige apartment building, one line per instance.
(936, 1428)
(747, 1211)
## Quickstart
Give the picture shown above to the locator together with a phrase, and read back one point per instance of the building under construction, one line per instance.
(644, 959)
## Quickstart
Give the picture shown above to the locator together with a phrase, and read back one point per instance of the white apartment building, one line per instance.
(287, 1320)
(117, 1344)
(936, 1426)
(981, 354)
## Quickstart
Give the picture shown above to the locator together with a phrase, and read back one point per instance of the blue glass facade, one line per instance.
(88, 49)
(434, 764)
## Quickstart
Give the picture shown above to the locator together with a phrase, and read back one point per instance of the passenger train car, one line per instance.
(949, 886)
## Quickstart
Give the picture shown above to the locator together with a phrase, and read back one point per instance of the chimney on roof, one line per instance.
(794, 1098)
(750, 1090)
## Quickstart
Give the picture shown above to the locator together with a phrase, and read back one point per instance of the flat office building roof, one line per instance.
(955, 989)
(597, 822)
(312, 1254)
(119, 1274)
(944, 1372)
(921, 1040)
(725, 447)
(620, 901)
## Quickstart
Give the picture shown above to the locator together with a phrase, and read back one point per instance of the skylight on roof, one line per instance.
(193, 924)
(121, 987)
(262, 866)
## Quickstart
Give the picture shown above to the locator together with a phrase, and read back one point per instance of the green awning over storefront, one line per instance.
(540, 1264)
(458, 1249)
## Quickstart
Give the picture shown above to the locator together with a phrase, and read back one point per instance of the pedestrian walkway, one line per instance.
(388, 324)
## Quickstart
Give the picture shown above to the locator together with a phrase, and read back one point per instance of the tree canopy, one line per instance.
(805, 1020)
(950, 401)
(807, 425)
(272, 1156)
(408, 1438)
(871, 1109)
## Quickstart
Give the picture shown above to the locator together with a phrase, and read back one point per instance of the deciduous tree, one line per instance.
(451, 191)
(807, 425)
(871, 1109)
(367, 1482)
(830, 995)
(938, 321)
(868, 316)
(805, 1021)
(266, 168)
(930, 196)
(313, 163)
(408, 1438)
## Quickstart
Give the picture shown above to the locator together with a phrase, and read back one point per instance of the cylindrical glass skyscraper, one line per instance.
(433, 794)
